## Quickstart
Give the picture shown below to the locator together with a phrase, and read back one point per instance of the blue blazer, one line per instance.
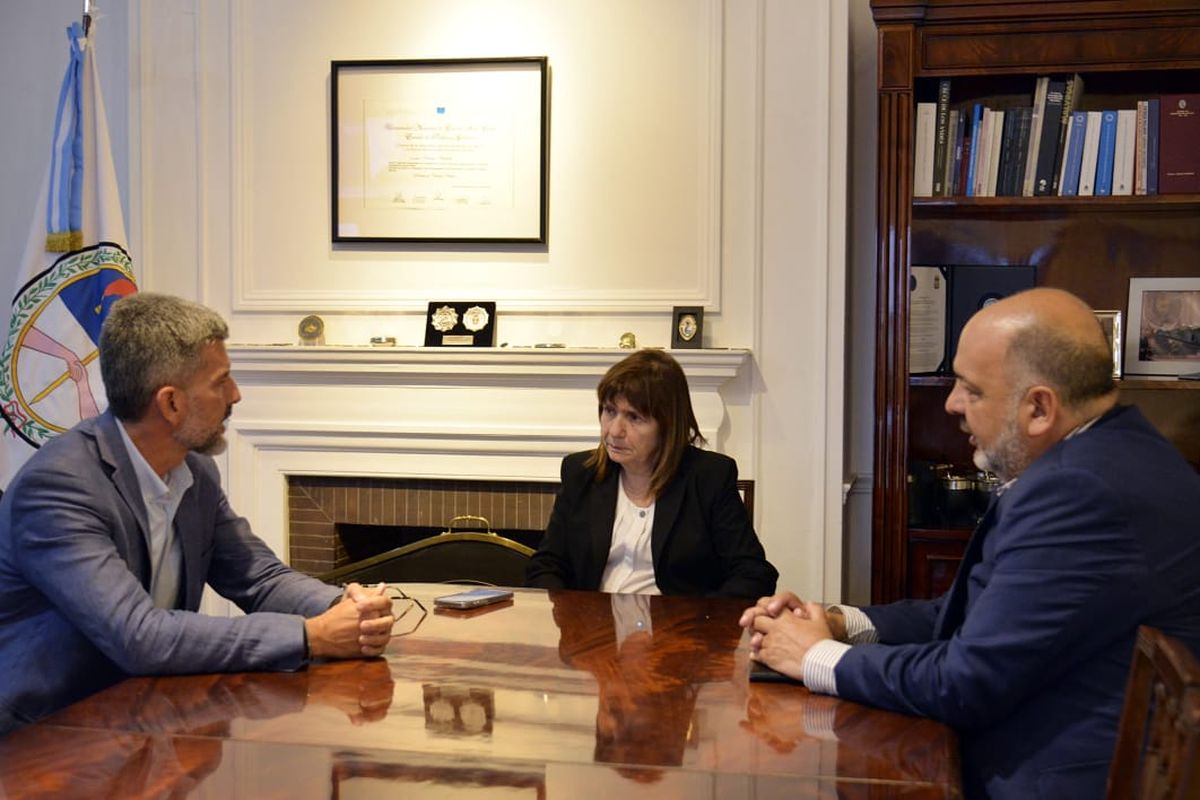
(75, 613)
(1028, 653)
(702, 542)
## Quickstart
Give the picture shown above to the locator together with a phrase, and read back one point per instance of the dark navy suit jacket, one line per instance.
(75, 614)
(1028, 653)
(703, 542)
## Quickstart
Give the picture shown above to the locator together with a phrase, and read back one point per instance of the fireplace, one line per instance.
(334, 521)
(406, 438)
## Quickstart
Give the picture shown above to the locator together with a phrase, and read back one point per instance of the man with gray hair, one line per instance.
(110, 531)
(1092, 534)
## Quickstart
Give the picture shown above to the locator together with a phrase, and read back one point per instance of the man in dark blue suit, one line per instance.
(1094, 531)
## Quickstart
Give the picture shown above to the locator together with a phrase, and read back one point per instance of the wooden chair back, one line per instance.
(1157, 756)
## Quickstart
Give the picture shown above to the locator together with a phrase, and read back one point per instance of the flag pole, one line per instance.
(87, 16)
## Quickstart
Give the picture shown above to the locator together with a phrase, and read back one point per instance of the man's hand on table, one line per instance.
(785, 627)
(359, 625)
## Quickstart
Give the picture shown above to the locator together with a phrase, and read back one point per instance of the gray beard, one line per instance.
(1008, 457)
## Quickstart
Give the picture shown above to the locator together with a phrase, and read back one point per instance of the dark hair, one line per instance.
(149, 341)
(654, 384)
(1079, 368)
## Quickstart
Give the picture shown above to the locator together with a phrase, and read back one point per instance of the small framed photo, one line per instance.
(460, 324)
(1163, 332)
(687, 327)
(1110, 323)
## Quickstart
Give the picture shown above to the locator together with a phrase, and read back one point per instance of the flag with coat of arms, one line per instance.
(75, 266)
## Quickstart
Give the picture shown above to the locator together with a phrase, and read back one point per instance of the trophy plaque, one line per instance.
(687, 327)
(460, 324)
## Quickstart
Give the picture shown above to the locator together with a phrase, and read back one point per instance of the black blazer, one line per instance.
(703, 542)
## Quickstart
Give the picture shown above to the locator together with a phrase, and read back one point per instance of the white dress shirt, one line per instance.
(162, 501)
(630, 566)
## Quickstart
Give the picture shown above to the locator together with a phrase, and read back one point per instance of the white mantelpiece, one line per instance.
(491, 414)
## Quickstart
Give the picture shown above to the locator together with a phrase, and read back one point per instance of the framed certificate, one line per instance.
(449, 150)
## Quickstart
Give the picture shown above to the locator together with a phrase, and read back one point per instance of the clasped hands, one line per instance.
(785, 627)
(357, 625)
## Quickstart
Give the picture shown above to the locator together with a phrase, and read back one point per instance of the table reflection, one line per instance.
(209, 704)
(101, 764)
(646, 684)
(553, 695)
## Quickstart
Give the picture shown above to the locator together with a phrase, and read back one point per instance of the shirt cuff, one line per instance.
(859, 628)
(819, 663)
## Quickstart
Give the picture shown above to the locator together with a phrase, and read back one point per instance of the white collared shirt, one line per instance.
(162, 499)
(631, 614)
(630, 567)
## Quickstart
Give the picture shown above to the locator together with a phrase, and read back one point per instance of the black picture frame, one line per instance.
(439, 150)
(470, 323)
(687, 327)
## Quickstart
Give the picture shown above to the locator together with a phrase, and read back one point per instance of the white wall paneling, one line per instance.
(697, 157)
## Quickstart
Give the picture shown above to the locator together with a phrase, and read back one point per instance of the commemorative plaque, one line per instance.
(460, 324)
(687, 327)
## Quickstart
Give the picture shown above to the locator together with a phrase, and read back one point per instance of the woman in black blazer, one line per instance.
(647, 511)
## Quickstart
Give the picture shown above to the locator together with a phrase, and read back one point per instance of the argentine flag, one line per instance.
(75, 266)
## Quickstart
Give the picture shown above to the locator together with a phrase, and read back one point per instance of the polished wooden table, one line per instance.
(552, 695)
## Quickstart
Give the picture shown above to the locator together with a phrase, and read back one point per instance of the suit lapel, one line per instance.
(666, 510)
(186, 526)
(954, 610)
(113, 453)
(601, 514)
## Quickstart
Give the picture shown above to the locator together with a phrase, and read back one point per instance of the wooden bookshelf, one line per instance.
(1125, 50)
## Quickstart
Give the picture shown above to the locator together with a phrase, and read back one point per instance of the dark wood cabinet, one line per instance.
(1125, 51)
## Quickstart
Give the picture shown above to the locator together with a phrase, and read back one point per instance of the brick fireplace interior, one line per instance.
(334, 521)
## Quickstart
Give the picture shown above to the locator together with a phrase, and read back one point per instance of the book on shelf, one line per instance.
(1139, 149)
(1178, 152)
(1091, 147)
(1124, 157)
(941, 138)
(1008, 138)
(954, 168)
(995, 140)
(948, 164)
(923, 150)
(1068, 179)
(1022, 131)
(1106, 154)
(971, 148)
(1049, 138)
(1040, 94)
(1152, 109)
(1072, 96)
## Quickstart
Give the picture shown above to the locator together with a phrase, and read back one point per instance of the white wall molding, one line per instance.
(538, 279)
(423, 413)
(737, 210)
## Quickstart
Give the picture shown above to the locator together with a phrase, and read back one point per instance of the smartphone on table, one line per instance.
(472, 598)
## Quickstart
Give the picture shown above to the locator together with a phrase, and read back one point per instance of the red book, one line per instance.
(1178, 148)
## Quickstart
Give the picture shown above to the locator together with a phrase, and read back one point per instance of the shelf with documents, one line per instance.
(993, 54)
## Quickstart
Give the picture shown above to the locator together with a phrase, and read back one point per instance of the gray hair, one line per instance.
(1079, 368)
(149, 341)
